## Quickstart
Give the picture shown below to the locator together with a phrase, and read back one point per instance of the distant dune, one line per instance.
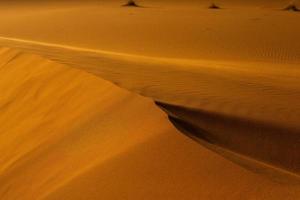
(97, 100)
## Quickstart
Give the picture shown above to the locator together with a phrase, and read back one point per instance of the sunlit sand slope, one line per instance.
(57, 121)
(255, 103)
(66, 134)
(227, 78)
(240, 63)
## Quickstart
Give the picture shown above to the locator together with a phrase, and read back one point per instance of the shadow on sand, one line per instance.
(241, 140)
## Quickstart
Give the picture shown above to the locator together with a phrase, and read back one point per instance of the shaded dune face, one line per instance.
(267, 143)
(246, 97)
(66, 134)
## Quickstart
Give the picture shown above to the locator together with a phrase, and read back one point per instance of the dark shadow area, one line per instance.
(214, 6)
(190, 130)
(131, 3)
(292, 7)
(271, 144)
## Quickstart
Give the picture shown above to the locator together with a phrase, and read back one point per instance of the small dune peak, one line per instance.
(292, 7)
(213, 6)
(131, 3)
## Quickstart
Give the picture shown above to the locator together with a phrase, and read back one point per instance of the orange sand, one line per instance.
(68, 134)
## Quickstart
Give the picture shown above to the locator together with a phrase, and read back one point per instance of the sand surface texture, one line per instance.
(96, 99)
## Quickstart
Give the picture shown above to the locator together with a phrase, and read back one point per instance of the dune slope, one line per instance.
(66, 134)
(56, 121)
(246, 96)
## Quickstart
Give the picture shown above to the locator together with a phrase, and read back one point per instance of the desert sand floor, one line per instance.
(227, 78)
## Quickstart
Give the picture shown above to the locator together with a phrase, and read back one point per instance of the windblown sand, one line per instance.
(78, 83)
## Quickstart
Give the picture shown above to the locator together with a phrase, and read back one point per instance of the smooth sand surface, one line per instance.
(66, 134)
(227, 78)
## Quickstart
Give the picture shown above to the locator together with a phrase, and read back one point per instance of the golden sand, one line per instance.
(78, 84)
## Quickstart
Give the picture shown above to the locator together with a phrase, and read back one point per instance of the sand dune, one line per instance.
(69, 135)
(256, 90)
(57, 121)
(245, 137)
(233, 33)
(66, 133)
(261, 91)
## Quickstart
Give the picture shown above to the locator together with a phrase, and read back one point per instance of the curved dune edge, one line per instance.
(251, 92)
(56, 122)
(65, 134)
(257, 91)
(63, 131)
(244, 142)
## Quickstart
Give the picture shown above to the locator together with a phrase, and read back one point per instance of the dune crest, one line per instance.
(103, 102)
(51, 113)
(220, 84)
